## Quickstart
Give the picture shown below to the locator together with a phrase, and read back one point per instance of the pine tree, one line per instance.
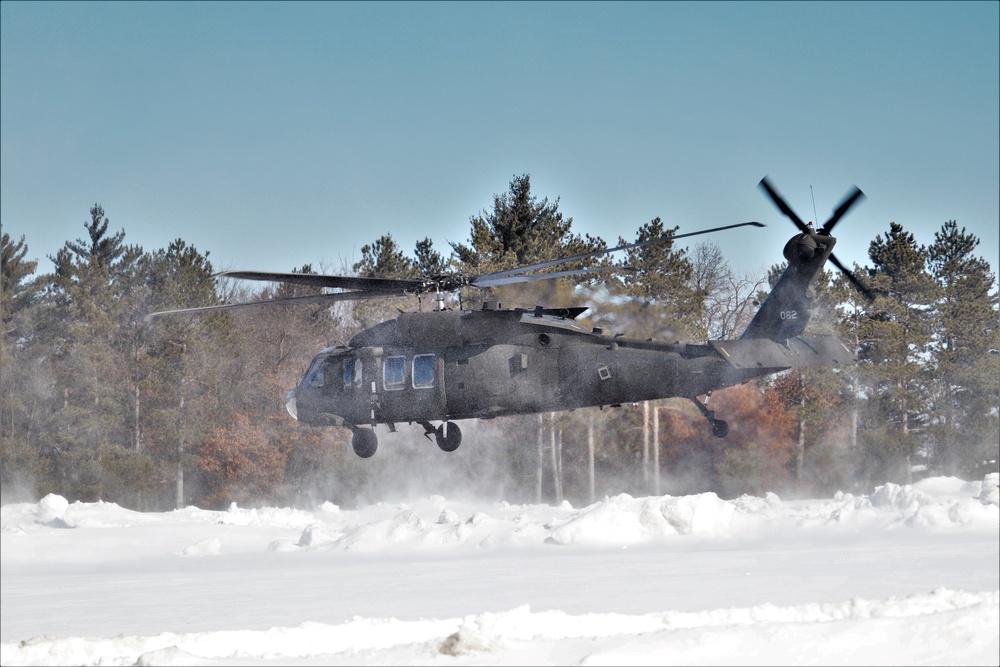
(519, 230)
(382, 259)
(897, 332)
(522, 230)
(664, 303)
(89, 415)
(17, 292)
(385, 259)
(428, 261)
(965, 374)
(182, 364)
(20, 386)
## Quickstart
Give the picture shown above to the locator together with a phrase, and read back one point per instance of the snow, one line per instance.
(905, 575)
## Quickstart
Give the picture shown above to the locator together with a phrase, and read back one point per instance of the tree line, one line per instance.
(96, 403)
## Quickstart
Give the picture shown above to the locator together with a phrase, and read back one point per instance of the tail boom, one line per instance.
(797, 352)
(787, 309)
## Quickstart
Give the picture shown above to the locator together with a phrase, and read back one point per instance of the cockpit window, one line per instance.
(394, 372)
(316, 375)
(423, 371)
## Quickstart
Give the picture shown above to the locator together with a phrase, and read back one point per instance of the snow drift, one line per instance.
(907, 574)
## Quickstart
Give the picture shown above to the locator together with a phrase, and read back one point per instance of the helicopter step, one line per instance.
(720, 427)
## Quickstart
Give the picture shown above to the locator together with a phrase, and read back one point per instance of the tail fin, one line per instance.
(786, 310)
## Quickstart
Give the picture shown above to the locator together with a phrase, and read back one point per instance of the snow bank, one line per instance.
(622, 520)
(256, 574)
(910, 630)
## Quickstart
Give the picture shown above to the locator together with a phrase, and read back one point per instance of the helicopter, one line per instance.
(447, 365)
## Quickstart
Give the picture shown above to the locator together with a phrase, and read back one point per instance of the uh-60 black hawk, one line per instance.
(446, 365)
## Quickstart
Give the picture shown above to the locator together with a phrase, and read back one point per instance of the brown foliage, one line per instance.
(239, 464)
(760, 444)
(753, 458)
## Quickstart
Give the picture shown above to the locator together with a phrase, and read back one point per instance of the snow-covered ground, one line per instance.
(907, 575)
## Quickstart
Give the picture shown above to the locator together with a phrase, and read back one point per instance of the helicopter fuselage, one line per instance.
(449, 365)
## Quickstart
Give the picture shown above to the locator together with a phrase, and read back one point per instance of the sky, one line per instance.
(908, 575)
(274, 135)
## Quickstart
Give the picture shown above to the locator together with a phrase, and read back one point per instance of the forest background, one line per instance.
(98, 404)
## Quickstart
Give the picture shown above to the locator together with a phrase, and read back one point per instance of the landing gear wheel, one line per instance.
(720, 428)
(448, 437)
(365, 442)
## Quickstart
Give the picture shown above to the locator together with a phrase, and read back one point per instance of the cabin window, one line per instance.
(352, 373)
(423, 371)
(394, 372)
(348, 373)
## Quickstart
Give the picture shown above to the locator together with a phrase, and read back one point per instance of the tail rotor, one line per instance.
(852, 198)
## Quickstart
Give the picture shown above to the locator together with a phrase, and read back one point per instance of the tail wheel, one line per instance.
(448, 436)
(365, 442)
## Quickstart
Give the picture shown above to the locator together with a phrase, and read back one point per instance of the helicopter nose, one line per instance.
(290, 405)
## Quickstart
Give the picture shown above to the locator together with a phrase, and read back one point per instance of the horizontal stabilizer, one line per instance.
(792, 353)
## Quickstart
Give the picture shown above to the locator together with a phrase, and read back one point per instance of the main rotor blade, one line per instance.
(291, 300)
(783, 207)
(845, 205)
(318, 280)
(576, 258)
(867, 293)
(492, 280)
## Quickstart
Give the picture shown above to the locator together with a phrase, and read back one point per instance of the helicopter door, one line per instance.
(411, 387)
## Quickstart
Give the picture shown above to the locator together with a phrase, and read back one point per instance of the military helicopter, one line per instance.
(446, 365)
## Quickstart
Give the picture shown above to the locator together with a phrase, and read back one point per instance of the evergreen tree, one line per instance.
(519, 230)
(965, 374)
(17, 292)
(664, 304)
(382, 259)
(522, 230)
(385, 259)
(429, 262)
(897, 332)
(21, 388)
(89, 415)
(182, 365)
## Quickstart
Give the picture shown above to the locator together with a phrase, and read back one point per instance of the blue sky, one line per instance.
(274, 135)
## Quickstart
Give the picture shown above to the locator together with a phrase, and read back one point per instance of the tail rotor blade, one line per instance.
(867, 293)
(783, 207)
